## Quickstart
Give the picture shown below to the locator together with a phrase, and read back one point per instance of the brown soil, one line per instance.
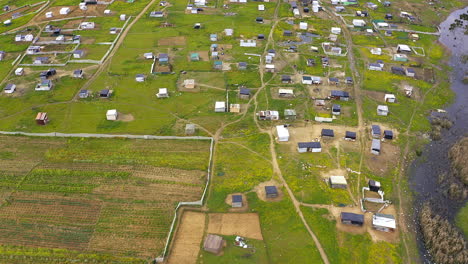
(374, 95)
(336, 211)
(75, 11)
(172, 41)
(335, 172)
(260, 190)
(245, 203)
(188, 238)
(125, 117)
(241, 224)
(381, 164)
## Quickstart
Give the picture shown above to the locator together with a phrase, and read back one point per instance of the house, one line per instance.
(261, 36)
(333, 81)
(213, 244)
(388, 33)
(410, 72)
(310, 62)
(44, 85)
(271, 191)
(336, 109)
(87, 25)
(290, 114)
(156, 14)
(375, 67)
(105, 93)
(83, 94)
(2, 55)
(268, 115)
(325, 61)
(113, 30)
(218, 65)
(259, 20)
(383, 222)
(46, 74)
(140, 78)
(261, 7)
(287, 33)
(376, 51)
(194, 56)
(400, 57)
(244, 93)
(162, 93)
(78, 73)
(285, 93)
(375, 131)
(163, 58)
(77, 54)
(371, 5)
(213, 37)
(352, 219)
(286, 79)
(19, 71)
(248, 43)
(149, 55)
(327, 133)
(269, 67)
(382, 110)
(338, 182)
(197, 26)
(303, 147)
(359, 23)
(311, 80)
(242, 65)
(64, 11)
(220, 107)
(190, 129)
(10, 88)
(403, 48)
(112, 115)
(303, 25)
(234, 108)
(283, 133)
(339, 95)
(42, 119)
(375, 147)
(349, 80)
(374, 186)
(335, 30)
(398, 70)
(350, 136)
(33, 49)
(123, 17)
(388, 134)
(390, 98)
(41, 60)
(228, 32)
(388, 16)
(236, 200)
(189, 84)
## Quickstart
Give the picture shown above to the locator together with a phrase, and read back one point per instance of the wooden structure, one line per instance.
(42, 119)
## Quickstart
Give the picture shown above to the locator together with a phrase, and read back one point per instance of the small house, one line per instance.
(64, 11)
(156, 14)
(271, 191)
(400, 57)
(189, 84)
(261, 36)
(83, 94)
(190, 129)
(390, 98)
(149, 55)
(350, 136)
(413, 36)
(408, 90)
(162, 93)
(213, 244)
(44, 85)
(388, 16)
(376, 51)
(248, 43)
(269, 67)
(327, 133)
(352, 219)
(140, 78)
(123, 17)
(2, 55)
(325, 61)
(19, 71)
(78, 73)
(33, 49)
(388, 134)
(268, 115)
(306, 79)
(374, 186)
(403, 48)
(271, 52)
(283, 133)
(7, 22)
(310, 62)
(339, 9)
(375, 67)
(286, 79)
(335, 30)
(259, 20)
(218, 65)
(382, 110)
(46, 74)
(163, 58)
(338, 182)
(375, 147)
(383, 222)
(303, 147)
(113, 30)
(41, 60)
(197, 26)
(359, 23)
(339, 95)
(242, 66)
(360, 13)
(398, 70)
(87, 25)
(303, 25)
(333, 81)
(42, 119)
(287, 33)
(194, 56)
(236, 200)
(112, 115)
(336, 109)
(105, 93)
(244, 93)
(410, 72)
(349, 80)
(228, 32)
(261, 7)
(77, 54)
(375, 131)
(285, 93)
(234, 108)
(220, 107)
(290, 114)
(213, 37)
(388, 33)
(10, 88)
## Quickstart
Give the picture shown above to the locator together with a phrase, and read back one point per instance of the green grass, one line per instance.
(462, 215)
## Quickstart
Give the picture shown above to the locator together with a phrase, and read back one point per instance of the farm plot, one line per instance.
(76, 195)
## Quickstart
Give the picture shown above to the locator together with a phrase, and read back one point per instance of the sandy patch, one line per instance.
(260, 190)
(125, 117)
(188, 238)
(246, 225)
(336, 172)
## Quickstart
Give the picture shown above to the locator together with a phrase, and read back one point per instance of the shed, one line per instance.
(10, 88)
(220, 107)
(44, 85)
(338, 182)
(194, 57)
(189, 83)
(236, 200)
(271, 191)
(286, 93)
(2, 55)
(149, 55)
(234, 108)
(261, 36)
(410, 72)
(105, 93)
(374, 186)
(83, 94)
(375, 67)
(390, 98)
(283, 133)
(197, 26)
(383, 222)
(398, 70)
(162, 93)
(163, 58)
(268, 115)
(309, 147)
(310, 62)
(333, 80)
(403, 48)
(64, 10)
(335, 30)
(242, 66)
(77, 54)
(123, 17)
(244, 93)
(375, 131)
(42, 118)
(287, 33)
(388, 16)
(261, 7)
(41, 60)
(303, 25)
(259, 19)
(290, 114)
(382, 110)
(339, 95)
(400, 57)
(78, 73)
(286, 79)
(19, 71)
(213, 244)
(351, 136)
(388, 134)
(359, 23)
(218, 65)
(336, 109)
(213, 37)
(140, 78)
(327, 133)
(352, 219)
(229, 32)
(349, 80)
(112, 114)
(375, 147)
(190, 129)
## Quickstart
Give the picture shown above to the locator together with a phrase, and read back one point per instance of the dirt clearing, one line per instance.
(260, 190)
(246, 225)
(188, 238)
(172, 41)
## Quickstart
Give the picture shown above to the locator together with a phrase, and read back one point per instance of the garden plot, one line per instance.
(75, 11)
(240, 224)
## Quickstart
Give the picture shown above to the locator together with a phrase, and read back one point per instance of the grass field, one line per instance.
(461, 220)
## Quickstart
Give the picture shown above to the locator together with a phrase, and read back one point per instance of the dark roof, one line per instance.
(410, 70)
(9, 86)
(339, 93)
(333, 79)
(388, 133)
(352, 217)
(259, 19)
(309, 145)
(104, 91)
(243, 64)
(271, 190)
(376, 129)
(237, 198)
(328, 132)
(374, 65)
(336, 107)
(285, 77)
(244, 91)
(83, 91)
(77, 72)
(350, 134)
(349, 79)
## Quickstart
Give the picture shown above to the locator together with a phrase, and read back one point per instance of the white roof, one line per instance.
(382, 24)
(404, 47)
(111, 112)
(285, 91)
(338, 180)
(383, 220)
(270, 66)
(335, 29)
(220, 104)
(389, 96)
(282, 131)
(163, 90)
(19, 70)
(382, 108)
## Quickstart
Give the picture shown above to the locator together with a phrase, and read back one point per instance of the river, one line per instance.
(425, 170)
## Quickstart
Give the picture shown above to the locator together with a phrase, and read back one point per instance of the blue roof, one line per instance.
(376, 129)
(350, 134)
(271, 190)
(244, 91)
(352, 217)
(309, 145)
(336, 107)
(237, 198)
(339, 93)
(328, 132)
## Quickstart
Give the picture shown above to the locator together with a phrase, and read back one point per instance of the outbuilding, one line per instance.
(236, 200)
(190, 129)
(410, 72)
(390, 98)
(271, 191)
(290, 114)
(303, 147)
(339, 95)
(383, 222)
(388, 134)
(283, 133)
(78, 73)
(286, 79)
(140, 78)
(375, 147)
(19, 71)
(162, 93)
(338, 182)
(10, 88)
(350, 136)
(336, 109)
(382, 110)
(42, 119)
(359, 23)
(268, 115)
(398, 70)
(112, 114)
(64, 11)
(327, 133)
(244, 93)
(352, 219)
(375, 131)
(77, 54)
(83, 94)
(374, 186)
(220, 107)
(44, 85)
(286, 93)
(403, 48)
(213, 244)
(242, 66)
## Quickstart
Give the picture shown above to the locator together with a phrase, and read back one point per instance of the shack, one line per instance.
(112, 114)
(383, 222)
(236, 200)
(352, 219)
(338, 182)
(374, 186)
(213, 244)
(350, 136)
(290, 114)
(327, 133)
(375, 147)
(190, 129)
(283, 133)
(42, 119)
(220, 107)
(244, 93)
(303, 147)
(388, 134)
(375, 131)
(271, 191)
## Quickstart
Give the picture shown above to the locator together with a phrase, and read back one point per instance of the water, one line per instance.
(425, 170)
